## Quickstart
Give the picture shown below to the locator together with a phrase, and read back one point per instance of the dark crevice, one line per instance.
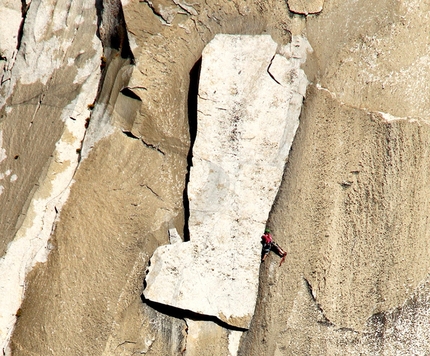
(130, 93)
(112, 32)
(151, 190)
(99, 11)
(187, 314)
(130, 134)
(271, 75)
(24, 10)
(115, 31)
(153, 147)
(192, 122)
(157, 13)
(310, 291)
(148, 145)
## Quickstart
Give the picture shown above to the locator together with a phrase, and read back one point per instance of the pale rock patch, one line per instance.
(306, 7)
(391, 118)
(2, 150)
(10, 20)
(174, 236)
(247, 119)
(234, 341)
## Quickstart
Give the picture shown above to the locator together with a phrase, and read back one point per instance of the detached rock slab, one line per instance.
(247, 119)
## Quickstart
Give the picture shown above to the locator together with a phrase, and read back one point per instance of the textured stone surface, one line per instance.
(356, 277)
(42, 124)
(10, 20)
(33, 119)
(245, 130)
(305, 7)
(367, 181)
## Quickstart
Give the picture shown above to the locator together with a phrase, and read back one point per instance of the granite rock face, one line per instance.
(249, 103)
(51, 74)
(351, 210)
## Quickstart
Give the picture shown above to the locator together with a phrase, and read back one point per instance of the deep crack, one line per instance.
(268, 71)
(188, 314)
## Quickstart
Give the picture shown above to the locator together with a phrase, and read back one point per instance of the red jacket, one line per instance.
(267, 238)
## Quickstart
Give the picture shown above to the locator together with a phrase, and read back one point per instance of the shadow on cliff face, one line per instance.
(187, 314)
(192, 120)
(111, 27)
(116, 69)
(112, 32)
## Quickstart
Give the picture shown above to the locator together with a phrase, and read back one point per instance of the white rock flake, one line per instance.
(247, 119)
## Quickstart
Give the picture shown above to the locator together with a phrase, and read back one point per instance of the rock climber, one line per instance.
(270, 245)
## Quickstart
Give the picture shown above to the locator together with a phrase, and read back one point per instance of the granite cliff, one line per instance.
(120, 123)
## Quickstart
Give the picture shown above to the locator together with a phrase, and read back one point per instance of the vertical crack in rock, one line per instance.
(192, 121)
(24, 9)
(12, 19)
(185, 336)
(112, 29)
(238, 160)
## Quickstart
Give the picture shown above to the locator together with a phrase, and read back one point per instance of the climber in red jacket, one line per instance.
(270, 245)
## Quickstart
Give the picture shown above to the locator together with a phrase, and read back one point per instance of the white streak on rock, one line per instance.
(391, 118)
(233, 342)
(42, 20)
(388, 117)
(30, 245)
(174, 236)
(3, 155)
(246, 124)
(79, 20)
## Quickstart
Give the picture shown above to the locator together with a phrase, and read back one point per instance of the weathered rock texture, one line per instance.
(352, 209)
(305, 7)
(249, 103)
(43, 109)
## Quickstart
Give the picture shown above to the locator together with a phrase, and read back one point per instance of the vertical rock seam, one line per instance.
(249, 102)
